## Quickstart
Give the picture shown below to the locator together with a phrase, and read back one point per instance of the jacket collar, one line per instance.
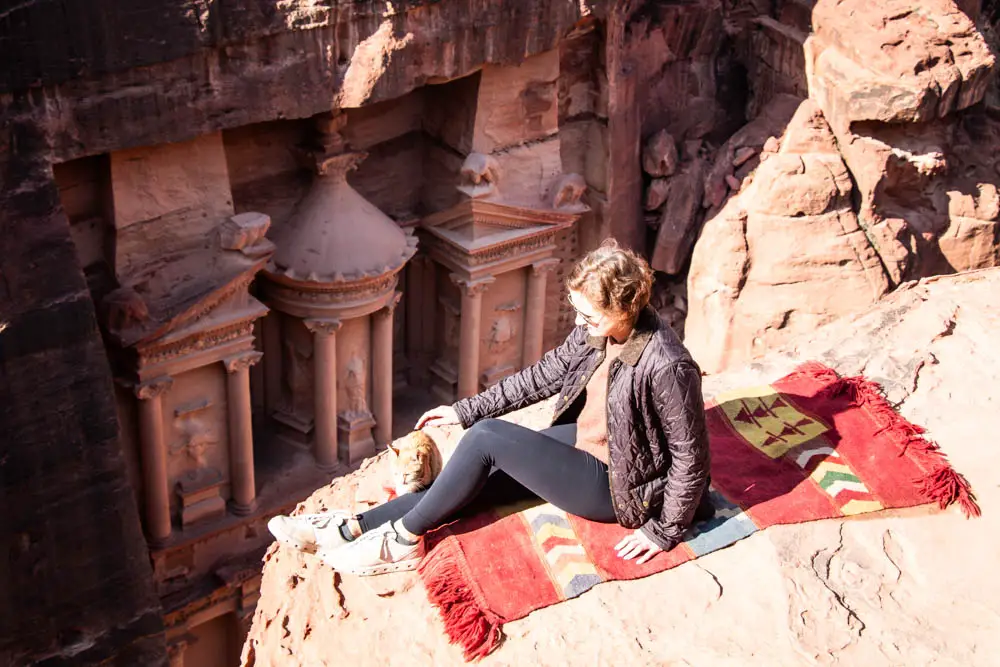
(645, 326)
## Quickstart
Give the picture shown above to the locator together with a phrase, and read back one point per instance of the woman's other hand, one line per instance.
(637, 544)
(443, 415)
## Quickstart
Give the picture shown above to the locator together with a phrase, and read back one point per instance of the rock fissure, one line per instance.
(715, 580)
(824, 576)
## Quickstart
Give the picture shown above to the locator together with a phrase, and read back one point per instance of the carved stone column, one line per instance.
(469, 332)
(325, 411)
(534, 311)
(153, 451)
(175, 652)
(241, 474)
(382, 376)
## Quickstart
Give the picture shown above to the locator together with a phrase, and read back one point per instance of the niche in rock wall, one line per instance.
(168, 201)
(447, 311)
(268, 177)
(448, 123)
(196, 430)
(85, 193)
(390, 132)
(263, 171)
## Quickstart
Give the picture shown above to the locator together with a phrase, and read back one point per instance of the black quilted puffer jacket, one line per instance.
(656, 420)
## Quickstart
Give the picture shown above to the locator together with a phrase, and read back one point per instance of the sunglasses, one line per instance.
(591, 320)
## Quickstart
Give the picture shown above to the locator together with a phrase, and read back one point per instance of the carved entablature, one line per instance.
(194, 311)
(477, 237)
(159, 353)
(343, 299)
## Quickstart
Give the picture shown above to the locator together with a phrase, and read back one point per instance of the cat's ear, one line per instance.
(394, 450)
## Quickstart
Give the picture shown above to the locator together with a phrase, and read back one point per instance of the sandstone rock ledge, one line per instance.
(910, 587)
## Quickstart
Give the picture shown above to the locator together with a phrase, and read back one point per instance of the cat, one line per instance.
(414, 462)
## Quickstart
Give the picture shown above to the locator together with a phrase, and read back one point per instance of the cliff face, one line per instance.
(148, 73)
(886, 173)
(756, 206)
(77, 584)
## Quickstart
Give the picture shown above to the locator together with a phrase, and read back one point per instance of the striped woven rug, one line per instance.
(809, 446)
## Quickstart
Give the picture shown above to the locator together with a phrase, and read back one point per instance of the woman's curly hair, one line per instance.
(614, 279)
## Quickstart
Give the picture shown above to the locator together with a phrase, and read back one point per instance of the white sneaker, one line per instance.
(375, 552)
(310, 532)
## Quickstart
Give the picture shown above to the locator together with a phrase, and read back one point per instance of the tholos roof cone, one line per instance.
(336, 235)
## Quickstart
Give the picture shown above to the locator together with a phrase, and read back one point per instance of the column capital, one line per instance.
(324, 326)
(390, 306)
(241, 362)
(153, 388)
(472, 287)
(542, 267)
(176, 648)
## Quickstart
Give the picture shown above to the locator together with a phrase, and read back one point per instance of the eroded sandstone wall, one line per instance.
(899, 101)
(76, 580)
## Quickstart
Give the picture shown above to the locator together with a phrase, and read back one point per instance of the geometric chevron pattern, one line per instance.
(561, 549)
(768, 421)
(834, 476)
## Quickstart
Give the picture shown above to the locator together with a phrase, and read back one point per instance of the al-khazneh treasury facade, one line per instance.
(266, 319)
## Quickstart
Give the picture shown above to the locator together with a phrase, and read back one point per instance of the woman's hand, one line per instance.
(637, 544)
(443, 415)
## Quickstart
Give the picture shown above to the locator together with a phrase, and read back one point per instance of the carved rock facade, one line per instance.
(161, 153)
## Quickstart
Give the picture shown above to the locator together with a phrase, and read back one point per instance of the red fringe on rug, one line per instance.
(942, 484)
(466, 622)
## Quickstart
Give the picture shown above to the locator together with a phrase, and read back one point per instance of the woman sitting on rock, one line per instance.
(628, 442)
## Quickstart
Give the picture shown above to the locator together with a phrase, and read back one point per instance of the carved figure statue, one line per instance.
(480, 175)
(355, 386)
(195, 439)
(501, 333)
(451, 330)
(124, 308)
(296, 378)
(568, 191)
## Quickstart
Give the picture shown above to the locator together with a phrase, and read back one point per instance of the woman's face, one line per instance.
(598, 323)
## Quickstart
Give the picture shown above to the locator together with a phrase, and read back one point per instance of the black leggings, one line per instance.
(497, 463)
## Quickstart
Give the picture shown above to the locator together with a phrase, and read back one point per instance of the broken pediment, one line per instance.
(475, 224)
(180, 300)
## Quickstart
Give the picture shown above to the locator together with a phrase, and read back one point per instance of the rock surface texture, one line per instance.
(795, 254)
(892, 588)
(76, 579)
(885, 174)
(783, 163)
